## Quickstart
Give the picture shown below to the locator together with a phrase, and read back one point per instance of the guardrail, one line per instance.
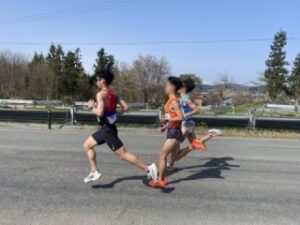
(32, 116)
(130, 118)
(29, 102)
(151, 118)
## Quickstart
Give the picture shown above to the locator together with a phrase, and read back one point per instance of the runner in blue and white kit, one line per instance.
(189, 108)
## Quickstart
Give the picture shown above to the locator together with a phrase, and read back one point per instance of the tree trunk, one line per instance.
(296, 103)
(146, 96)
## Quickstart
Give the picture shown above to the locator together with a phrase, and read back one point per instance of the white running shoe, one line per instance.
(93, 176)
(152, 174)
(215, 132)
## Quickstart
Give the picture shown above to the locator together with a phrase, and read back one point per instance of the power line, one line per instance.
(47, 13)
(70, 12)
(180, 42)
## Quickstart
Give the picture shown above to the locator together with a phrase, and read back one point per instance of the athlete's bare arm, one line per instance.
(164, 127)
(193, 106)
(124, 106)
(98, 108)
(178, 111)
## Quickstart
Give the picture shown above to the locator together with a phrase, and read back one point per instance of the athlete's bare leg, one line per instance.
(206, 138)
(89, 145)
(175, 154)
(131, 158)
(191, 137)
(171, 145)
(182, 153)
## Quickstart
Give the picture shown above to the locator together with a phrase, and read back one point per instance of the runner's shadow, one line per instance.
(120, 180)
(211, 169)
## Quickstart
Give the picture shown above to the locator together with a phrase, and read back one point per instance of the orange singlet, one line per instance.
(171, 113)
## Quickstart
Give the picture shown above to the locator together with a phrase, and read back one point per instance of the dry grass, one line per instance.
(259, 133)
(232, 132)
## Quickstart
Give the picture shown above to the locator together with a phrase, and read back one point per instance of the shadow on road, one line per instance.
(211, 169)
(120, 180)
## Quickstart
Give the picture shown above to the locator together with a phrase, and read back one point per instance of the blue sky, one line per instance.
(159, 20)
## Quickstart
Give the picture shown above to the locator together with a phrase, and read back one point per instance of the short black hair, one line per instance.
(189, 84)
(176, 82)
(106, 75)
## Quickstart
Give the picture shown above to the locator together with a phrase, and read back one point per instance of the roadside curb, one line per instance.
(56, 127)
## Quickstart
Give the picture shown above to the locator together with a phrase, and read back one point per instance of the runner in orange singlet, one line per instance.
(172, 124)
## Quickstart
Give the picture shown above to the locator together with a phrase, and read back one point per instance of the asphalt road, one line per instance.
(238, 181)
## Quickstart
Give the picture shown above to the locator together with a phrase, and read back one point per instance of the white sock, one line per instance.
(95, 172)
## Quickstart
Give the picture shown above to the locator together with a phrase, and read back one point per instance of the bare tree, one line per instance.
(150, 73)
(226, 81)
(41, 81)
(126, 84)
(13, 73)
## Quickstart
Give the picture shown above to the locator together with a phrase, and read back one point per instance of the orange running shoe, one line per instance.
(158, 184)
(197, 144)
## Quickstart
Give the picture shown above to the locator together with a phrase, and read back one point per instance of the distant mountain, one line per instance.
(234, 87)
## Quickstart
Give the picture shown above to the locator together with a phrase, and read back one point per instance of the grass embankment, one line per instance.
(237, 110)
(244, 108)
(230, 132)
(258, 133)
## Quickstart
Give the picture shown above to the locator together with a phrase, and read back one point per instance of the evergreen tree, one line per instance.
(73, 71)
(294, 79)
(104, 61)
(276, 73)
(55, 60)
(38, 58)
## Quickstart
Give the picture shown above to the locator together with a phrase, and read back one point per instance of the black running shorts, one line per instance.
(175, 133)
(108, 135)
